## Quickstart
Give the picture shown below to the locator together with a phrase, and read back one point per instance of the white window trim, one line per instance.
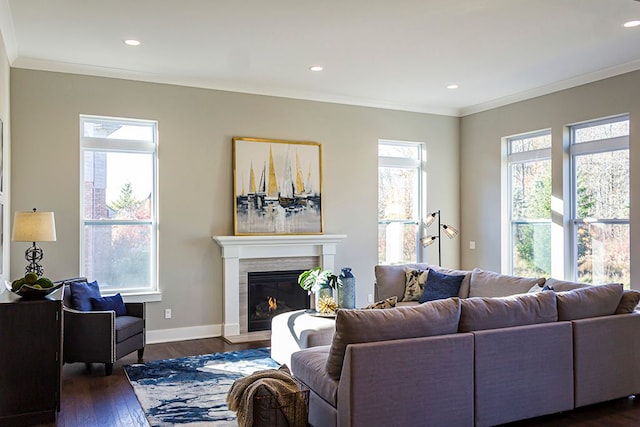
(420, 165)
(131, 146)
(508, 222)
(584, 148)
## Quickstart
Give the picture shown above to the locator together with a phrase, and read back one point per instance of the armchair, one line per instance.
(100, 336)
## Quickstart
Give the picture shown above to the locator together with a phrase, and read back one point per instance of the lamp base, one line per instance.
(33, 255)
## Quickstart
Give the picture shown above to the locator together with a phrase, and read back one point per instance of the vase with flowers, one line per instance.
(321, 284)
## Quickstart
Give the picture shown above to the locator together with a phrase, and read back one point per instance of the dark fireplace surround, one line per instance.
(271, 293)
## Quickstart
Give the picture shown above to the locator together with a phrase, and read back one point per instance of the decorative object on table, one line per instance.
(448, 230)
(200, 382)
(31, 286)
(320, 283)
(277, 187)
(347, 289)
(34, 227)
(326, 305)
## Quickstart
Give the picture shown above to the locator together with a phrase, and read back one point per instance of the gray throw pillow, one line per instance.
(360, 326)
(594, 301)
(477, 314)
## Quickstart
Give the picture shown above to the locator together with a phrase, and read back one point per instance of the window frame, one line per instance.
(127, 146)
(419, 165)
(576, 149)
(512, 158)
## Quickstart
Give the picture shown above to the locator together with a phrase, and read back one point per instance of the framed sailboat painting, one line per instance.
(277, 187)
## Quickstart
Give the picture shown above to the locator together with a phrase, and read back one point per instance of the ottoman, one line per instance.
(295, 330)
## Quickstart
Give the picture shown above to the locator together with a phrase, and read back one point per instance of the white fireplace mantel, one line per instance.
(236, 248)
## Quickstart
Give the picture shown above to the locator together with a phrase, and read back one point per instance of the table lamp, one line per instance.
(34, 227)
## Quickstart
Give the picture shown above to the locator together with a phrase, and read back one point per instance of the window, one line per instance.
(118, 203)
(599, 152)
(399, 201)
(529, 189)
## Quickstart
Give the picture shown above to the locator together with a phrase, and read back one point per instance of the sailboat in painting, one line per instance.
(295, 192)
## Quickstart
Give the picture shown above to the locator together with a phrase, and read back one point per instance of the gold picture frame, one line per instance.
(277, 187)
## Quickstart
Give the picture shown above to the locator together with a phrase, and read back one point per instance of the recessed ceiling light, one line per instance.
(453, 87)
(631, 24)
(316, 68)
(131, 42)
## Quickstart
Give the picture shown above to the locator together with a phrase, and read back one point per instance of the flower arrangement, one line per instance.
(315, 279)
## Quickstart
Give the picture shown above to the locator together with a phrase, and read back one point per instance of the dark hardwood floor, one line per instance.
(91, 399)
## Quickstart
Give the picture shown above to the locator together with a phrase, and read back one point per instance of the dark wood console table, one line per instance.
(30, 359)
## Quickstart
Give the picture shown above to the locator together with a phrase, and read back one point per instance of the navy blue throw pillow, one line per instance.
(114, 303)
(547, 288)
(81, 294)
(440, 286)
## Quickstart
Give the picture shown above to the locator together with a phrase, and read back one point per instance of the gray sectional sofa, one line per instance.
(502, 351)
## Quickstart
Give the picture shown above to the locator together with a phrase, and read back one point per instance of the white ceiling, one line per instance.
(393, 54)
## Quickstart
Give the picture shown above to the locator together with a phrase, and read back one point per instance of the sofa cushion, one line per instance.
(390, 302)
(127, 327)
(628, 302)
(440, 286)
(310, 367)
(480, 313)
(414, 283)
(360, 326)
(390, 279)
(594, 301)
(564, 285)
(81, 294)
(490, 284)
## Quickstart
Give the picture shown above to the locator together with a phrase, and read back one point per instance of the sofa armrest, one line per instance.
(607, 357)
(136, 309)
(373, 372)
(86, 336)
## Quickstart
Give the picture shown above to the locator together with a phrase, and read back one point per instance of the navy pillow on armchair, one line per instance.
(114, 303)
(440, 286)
(81, 294)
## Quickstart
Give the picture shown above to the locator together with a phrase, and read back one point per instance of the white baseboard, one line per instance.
(181, 334)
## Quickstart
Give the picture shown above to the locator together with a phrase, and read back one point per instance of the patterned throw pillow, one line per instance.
(385, 303)
(414, 284)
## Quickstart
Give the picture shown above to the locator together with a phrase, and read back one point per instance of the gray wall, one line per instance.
(481, 161)
(195, 173)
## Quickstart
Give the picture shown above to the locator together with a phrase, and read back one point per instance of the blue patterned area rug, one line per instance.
(192, 391)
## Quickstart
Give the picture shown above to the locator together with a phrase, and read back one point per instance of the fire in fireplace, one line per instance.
(272, 293)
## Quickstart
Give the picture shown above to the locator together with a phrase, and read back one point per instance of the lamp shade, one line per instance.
(34, 227)
(449, 230)
(430, 218)
(429, 240)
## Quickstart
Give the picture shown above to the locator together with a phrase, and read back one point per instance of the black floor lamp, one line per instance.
(448, 230)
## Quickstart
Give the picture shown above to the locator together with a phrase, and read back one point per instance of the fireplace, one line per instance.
(271, 293)
(244, 254)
